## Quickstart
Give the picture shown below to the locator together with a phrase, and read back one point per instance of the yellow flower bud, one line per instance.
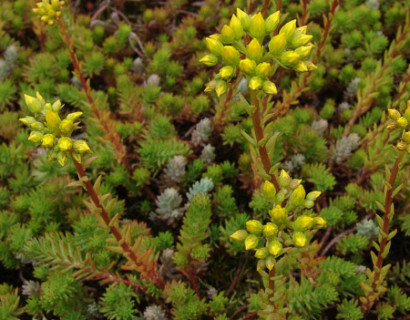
(402, 122)
(289, 58)
(270, 263)
(299, 239)
(251, 242)
(401, 146)
(263, 69)
(257, 26)
(67, 126)
(48, 141)
(406, 137)
(268, 189)
(74, 116)
(230, 55)
(319, 222)
(298, 196)
(236, 26)
(270, 229)
(275, 248)
(220, 87)
(226, 72)
(61, 158)
(277, 44)
(269, 87)
(255, 83)
(408, 148)
(301, 67)
(289, 29)
(299, 40)
(260, 265)
(33, 104)
(301, 30)
(28, 121)
(213, 45)
(394, 114)
(210, 86)
(254, 226)
(81, 146)
(65, 144)
(227, 35)
(247, 65)
(244, 18)
(303, 223)
(35, 137)
(56, 107)
(209, 60)
(284, 179)
(239, 235)
(308, 204)
(311, 66)
(37, 126)
(278, 214)
(261, 253)
(254, 50)
(304, 51)
(53, 120)
(313, 195)
(272, 22)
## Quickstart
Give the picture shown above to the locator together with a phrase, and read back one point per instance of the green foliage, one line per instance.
(117, 303)
(319, 175)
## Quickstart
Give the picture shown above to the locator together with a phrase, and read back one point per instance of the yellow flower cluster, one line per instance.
(51, 132)
(49, 10)
(402, 122)
(288, 225)
(290, 48)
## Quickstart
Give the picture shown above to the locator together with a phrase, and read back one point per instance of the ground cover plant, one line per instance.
(204, 159)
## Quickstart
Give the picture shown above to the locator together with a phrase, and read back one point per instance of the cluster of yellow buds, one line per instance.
(288, 225)
(51, 132)
(290, 48)
(49, 10)
(402, 122)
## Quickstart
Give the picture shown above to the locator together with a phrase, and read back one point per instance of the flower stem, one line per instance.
(257, 126)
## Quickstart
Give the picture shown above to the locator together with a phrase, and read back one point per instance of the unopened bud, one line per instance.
(220, 87)
(402, 122)
(33, 104)
(270, 229)
(299, 239)
(401, 146)
(48, 141)
(209, 60)
(308, 204)
(239, 235)
(244, 18)
(230, 55)
(254, 226)
(406, 137)
(278, 214)
(257, 26)
(66, 126)
(284, 179)
(319, 222)
(289, 57)
(394, 114)
(270, 263)
(261, 253)
(65, 144)
(272, 22)
(263, 69)
(269, 87)
(247, 65)
(304, 51)
(213, 45)
(299, 40)
(298, 196)
(275, 247)
(303, 223)
(227, 35)
(28, 121)
(277, 44)
(81, 147)
(61, 158)
(53, 120)
(255, 83)
(301, 67)
(226, 72)
(313, 195)
(236, 26)
(56, 107)
(35, 137)
(268, 189)
(289, 29)
(251, 242)
(254, 50)
(74, 116)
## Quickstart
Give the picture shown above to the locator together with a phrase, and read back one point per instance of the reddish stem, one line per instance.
(259, 136)
(265, 7)
(304, 11)
(153, 274)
